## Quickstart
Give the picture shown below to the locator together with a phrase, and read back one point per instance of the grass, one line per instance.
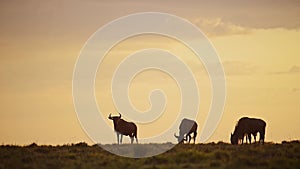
(212, 155)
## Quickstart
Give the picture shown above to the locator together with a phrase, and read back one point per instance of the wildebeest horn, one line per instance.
(109, 115)
(175, 135)
(120, 115)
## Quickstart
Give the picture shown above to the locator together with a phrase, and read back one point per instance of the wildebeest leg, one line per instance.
(262, 136)
(121, 138)
(254, 135)
(195, 135)
(131, 138)
(118, 138)
(189, 138)
(249, 138)
(135, 135)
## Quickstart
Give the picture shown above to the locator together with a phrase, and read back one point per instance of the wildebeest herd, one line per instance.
(245, 127)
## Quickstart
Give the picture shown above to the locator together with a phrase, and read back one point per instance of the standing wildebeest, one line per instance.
(123, 127)
(186, 128)
(247, 126)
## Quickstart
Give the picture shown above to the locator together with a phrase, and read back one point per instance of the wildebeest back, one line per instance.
(186, 126)
(126, 128)
(250, 125)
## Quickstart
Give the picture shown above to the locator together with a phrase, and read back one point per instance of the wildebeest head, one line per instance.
(234, 139)
(114, 118)
(180, 138)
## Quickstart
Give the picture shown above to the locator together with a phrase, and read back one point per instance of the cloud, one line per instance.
(295, 89)
(293, 70)
(257, 14)
(61, 19)
(217, 27)
(239, 68)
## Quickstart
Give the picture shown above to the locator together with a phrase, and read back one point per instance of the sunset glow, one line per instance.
(257, 42)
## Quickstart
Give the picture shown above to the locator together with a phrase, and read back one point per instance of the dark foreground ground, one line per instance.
(219, 155)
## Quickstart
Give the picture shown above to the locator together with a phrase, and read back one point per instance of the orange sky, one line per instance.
(258, 43)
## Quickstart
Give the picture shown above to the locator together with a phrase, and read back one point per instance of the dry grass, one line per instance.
(219, 155)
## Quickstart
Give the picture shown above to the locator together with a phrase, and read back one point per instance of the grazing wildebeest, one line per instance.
(186, 128)
(247, 126)
(123, 127)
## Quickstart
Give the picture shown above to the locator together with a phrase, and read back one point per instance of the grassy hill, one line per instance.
(212, 155)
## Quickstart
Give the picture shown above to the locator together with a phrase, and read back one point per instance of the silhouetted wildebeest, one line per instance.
(186, 128)
(247, 126)
(123, 127)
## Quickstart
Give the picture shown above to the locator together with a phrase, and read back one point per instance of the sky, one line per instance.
(257, 42)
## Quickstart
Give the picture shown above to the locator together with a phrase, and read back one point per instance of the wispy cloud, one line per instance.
(239, 68)
(295, 69)
(217, 27)
(295, 89)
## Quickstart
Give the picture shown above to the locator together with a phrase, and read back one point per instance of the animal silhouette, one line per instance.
(186, 128)
(247, 126)
(123, 127)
